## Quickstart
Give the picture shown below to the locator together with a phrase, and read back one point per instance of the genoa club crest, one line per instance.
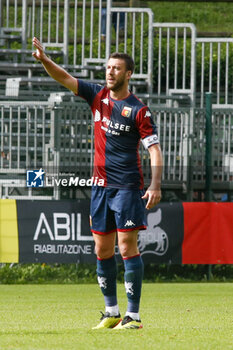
(126, 112)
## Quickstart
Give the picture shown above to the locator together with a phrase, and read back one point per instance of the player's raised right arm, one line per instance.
(55, 71)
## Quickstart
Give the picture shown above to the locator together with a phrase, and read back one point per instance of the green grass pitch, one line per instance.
(60, 317)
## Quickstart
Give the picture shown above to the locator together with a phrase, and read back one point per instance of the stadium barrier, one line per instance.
(57, 136)
(214, 69)
(37, 134)
(170, 58)
(175, 78)
(58, 232)
(81, 39)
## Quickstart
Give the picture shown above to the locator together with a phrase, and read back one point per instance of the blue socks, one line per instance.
(106, 275)
(133, 282)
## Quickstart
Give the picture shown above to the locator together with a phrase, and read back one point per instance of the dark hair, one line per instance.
(129, 62)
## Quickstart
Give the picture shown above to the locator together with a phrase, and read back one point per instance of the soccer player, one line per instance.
(118, 207)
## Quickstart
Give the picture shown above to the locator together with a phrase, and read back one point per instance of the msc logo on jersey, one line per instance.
(126, 112)
(35, 178)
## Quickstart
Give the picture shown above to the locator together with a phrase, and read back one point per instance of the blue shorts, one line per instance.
(117, 210)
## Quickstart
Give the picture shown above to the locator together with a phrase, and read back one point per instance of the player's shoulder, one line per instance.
(141, 110)
(137, 103)
(89, 85)
(89, 91)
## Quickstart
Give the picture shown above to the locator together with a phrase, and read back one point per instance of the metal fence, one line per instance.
(12, 20)
(59, 139)
(74, 137)
(214, 69)
(175, 42)
(173, 130)
(25, 132)
(80, 34)
(222, 146)
(136, 24)
(173, 66)
(34, 135)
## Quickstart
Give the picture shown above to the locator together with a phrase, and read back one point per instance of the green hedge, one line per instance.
(74, 274)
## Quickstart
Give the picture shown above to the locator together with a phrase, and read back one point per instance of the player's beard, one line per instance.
(117, 85)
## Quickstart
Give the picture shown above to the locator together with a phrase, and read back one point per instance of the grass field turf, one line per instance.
(175, 316)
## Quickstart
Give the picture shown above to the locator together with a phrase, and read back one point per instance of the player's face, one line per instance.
(117, 76)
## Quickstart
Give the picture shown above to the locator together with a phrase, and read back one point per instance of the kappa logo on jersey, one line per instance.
(129, 288)
(129, 223)
(105, 101)
(102, 282)
(153, 236)
(97, 116)
(148, 114)
(126, 112)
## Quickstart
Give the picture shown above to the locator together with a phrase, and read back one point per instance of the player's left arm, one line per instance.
(153, 193)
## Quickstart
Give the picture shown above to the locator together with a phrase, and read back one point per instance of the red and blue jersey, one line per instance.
(119, 127)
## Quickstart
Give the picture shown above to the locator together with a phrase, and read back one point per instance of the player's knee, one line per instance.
(128, 250)
(124, 250)
(104, 252)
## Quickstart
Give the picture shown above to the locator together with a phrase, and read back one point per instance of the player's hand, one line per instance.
(39, 54)
(153, 196)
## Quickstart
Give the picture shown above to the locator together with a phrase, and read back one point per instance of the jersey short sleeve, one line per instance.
(147, 128)
(88, 91)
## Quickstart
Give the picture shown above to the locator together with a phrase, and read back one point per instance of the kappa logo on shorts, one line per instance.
(129, 223)
(126, 112)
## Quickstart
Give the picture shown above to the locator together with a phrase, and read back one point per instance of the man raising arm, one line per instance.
(117, 207)
(55, 71)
